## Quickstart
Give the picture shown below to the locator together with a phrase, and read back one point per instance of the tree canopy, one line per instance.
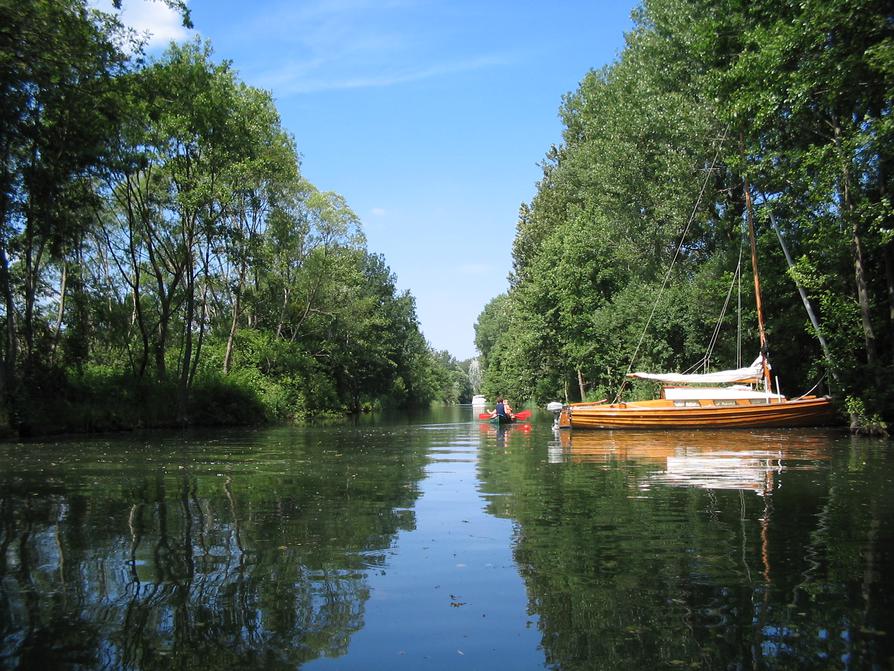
(162, 258)
(635, 233)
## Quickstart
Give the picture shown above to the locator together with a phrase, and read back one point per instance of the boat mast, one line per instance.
(749, 208)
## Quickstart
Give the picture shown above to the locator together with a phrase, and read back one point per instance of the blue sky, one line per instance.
(429, 116)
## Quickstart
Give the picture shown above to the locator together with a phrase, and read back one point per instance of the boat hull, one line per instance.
(663, 414)
(502, 421)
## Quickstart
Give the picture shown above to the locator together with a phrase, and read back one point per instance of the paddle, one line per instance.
(523, 415)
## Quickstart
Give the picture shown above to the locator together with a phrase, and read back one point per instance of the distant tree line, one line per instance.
(162, 259)
(788, 101)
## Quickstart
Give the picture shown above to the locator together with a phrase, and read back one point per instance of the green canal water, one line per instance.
(435, 542)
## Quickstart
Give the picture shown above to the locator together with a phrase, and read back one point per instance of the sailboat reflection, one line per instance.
(742, 460)
(722, 470)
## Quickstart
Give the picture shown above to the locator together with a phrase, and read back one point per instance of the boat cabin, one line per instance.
(720, 396)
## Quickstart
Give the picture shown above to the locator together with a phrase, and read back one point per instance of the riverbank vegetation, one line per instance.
(162, 259)
(790, 101)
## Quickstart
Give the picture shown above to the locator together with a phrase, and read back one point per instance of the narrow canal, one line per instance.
(436, 542)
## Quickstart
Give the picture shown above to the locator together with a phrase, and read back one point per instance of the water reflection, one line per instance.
(449, 544)
(504, 436)
(736, 460)
(226, 555)
(649, 549)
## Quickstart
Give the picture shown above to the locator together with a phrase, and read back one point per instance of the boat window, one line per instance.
(757, 401)
(686, 404)
(725, 401)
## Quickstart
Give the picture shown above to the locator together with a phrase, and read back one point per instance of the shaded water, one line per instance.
(438, 543)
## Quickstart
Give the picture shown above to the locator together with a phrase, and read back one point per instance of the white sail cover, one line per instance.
(754, 372)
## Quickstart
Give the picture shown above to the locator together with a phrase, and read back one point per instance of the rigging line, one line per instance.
(739, 315)
(830, 362)
(716, 335)
(705, 362)
(673, 262)
(812, 389)
(694, 366)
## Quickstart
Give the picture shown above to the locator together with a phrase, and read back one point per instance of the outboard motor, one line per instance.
(556, 408)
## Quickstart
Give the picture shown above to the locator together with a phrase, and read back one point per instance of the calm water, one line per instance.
(438, 543)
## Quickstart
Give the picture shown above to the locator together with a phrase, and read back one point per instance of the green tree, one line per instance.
(60, 104)
(265, 176)
(638, 216)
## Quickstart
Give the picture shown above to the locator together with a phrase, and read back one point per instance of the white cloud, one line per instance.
(378, 212)
(300, 77)
(149, 17)
(327, 45)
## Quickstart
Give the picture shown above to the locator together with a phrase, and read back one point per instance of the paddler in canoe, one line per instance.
(502, 412)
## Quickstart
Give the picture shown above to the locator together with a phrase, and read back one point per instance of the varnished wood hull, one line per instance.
(663, 414)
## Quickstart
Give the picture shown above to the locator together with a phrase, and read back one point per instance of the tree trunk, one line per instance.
(144, 333)
(32, 269)
(61, 313)
(888, 248)
(852, 218)
(8, 374)
(234, 323)
(183, 383)
(581, 385)
(204, 318)
(863, 294)
(165, 298)
(889, 280)
(136, 283)
(161, 338)
(282, 311)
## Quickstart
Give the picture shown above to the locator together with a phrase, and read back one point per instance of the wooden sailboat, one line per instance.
(747, 401)
(702, 408)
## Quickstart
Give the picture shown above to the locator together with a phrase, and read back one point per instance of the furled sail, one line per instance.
(752, 373)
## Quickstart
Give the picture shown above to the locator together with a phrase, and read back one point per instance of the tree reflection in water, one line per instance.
(764, 550)
(703, 549)
(193, 554)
